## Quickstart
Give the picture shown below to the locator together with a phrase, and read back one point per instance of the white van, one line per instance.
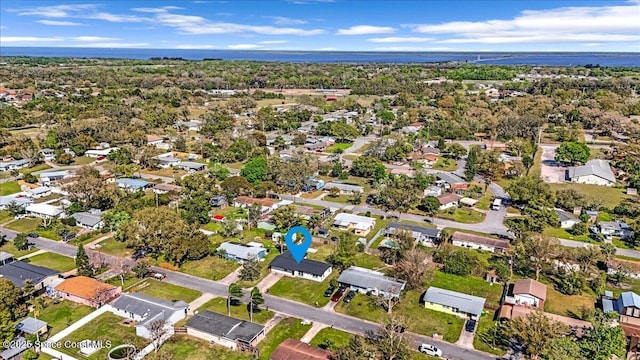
(496, 204)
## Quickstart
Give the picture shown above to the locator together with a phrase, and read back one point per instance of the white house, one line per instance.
(191, 125)
(47, 177)
(5, 201)
(91, 219)
(370, 281)
(44, 211)
(423, 235)
(14, 165)
(567, 221)
(154, 140)
(361, 225)
(47, 154)
(243, 253)
(449, 201)
(96, 153)
(596, 172)
(306, 269)
(39, 192)
(145, 310)
(615, 228)
(167, 160)
(345, 189)
(478, 242)
(527, 292)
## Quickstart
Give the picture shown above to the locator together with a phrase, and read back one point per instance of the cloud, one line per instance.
(269, 42)
(244, 46)
(112, 45)
(195, 47)
(93, 38)
(401, 40)
(58, 23)
(527, 39)
(413, 48)
(55, 11)
(115, 17)
(366, 30)
(8, 39)
(281, 20)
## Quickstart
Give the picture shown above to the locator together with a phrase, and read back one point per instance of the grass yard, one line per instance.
(338, 148)
(342, 199)
(182, 347)
(563, 234)
(166, 291)
(239, 311)
(445, 164)
(471, 285)
(114, 247)
(567, 305)
(264, 268)
(311, 195)
(169, 172)
(485, 201)
(9, 248)
(53, 261)
(5, 216)
(463, 215)
(24, 225)
(485, 334)
(211, 267)
(82, 160)
(368, 261)
(130, 279)
(106, 327)
(8, 188)
(610, 196)
(336, 338)
(289, 328)
(59, 316)
(39, 167)
(301, 290)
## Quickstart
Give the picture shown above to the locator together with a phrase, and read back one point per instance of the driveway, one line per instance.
(550, 171)
(466, 338)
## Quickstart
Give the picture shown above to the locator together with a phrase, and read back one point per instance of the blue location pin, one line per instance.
(298, 250)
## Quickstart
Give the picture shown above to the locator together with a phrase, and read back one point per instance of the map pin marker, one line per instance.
(298, 250)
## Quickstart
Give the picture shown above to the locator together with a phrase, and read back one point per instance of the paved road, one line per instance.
(621, 252)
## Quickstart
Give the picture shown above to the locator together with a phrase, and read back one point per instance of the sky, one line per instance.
(325, 25)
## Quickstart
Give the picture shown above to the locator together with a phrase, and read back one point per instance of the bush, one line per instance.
(578, 229)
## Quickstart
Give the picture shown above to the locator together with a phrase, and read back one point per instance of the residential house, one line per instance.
(44, 211)
(14, 165)
(508, 312)
(31, 326)
(191, 166)
(133, 185)
(154, 140)
(478, 242)
(361, 225)
(494, 145)
(449, 201)
(5, 201)
(19, 345)
(451, 181)
(146, 309)
(218, 200)
(292, 349)
(306, 269)
(87, 291)
(163, 188)
(39, 192)
(527, 292)
(403, 171)
(225, 331)
(371, 282)
(167, 160)
(91, 219)
(47, 177)
(243, 253)
(19, 271)
(103, 152)
(567, 220)
(432, 191)
(267, 204)
(6, 258)
(422, 235)
(597, 172)
(191, 125)
(306, 212)
(453, 302)
(47, 154)
(345, 189)
(628, 306)
(468, 202)
(615, 228)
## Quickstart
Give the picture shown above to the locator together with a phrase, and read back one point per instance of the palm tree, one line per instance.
(233, 291)
(255, 300)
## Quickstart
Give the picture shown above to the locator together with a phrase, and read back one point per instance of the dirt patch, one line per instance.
(550, 171)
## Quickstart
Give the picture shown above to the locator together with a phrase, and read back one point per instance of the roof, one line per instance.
(530, 287)
(83, 287)
(596, 167)
(468, 201)
(167, 187)
(224, 326)
(292, 349)
(19, 271)
(130, 183)
(249, 200)
(152, 138)
(87, 218)
(369, 279)
(429, 232)
(45, 209)
(51, 174)
(627, 299)
(344, 187)
(241, 251)
(466, 303)
(477, 239)
(39, 190)
(565, 216)
(448, 198)
(5, 256)
(450, 178)
(148, 307)
(192, 165)
(360, 222)
(610, 225)
(286, 261)
(6, 200)
(12, 352)
(30, 325)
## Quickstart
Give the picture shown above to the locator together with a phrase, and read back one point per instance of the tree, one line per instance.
(157, 329)
(180, 144)
(255, 300)
(285, 217)
(538, 251)
(528, 188)
(254, 170)
(343, 256)
(254, 213)
(30, 354)
(354, 350)
(413, 267)
(233, 291)
(195, 209)
(10, 297)
(27, 288)
(564, 348)
(460, 263)
(250, 270)
(343, 132)
(536, 332)
(235, 185)
(470, 168)
(15, 209)
(604, 339)
(398, 194)
(141, 269)
(7, 329)
(456, 150)
(90, 190)
(368, 166)
(573, 153)
(389, 343)
(430, 205)
(21, 242)
(82, 262)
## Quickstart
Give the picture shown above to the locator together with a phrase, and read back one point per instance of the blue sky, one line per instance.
(326, 25)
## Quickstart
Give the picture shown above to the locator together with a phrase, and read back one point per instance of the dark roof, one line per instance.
(224, 326)
(428, 232)
(286, 261)
(19, 271)
(148, 307)
(292, 349)
(450, 178)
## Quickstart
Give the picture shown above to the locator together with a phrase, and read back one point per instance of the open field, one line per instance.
(53, 261)
(610, 196)
(211, 267)
(8, 188)
(166, 291)
(305, 291)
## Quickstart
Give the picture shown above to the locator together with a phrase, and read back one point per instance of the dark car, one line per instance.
(33, 235)
(428, 220)
(396, 327)
(139, 254)
(350, 295)
(336, 297)
(68, 236)
(329, 291)
(470, 326)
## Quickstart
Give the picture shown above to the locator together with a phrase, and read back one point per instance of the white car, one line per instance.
(430, 350)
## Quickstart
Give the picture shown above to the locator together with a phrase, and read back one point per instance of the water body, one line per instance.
(500, 58)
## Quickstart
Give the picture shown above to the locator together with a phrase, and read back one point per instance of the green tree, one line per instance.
(254, 170)
(10, 299)
(430, 205)
(456, 150)
(369, 167)
(564, 348)
(7, 328)
(460, 263)
(400, 193)
(470, 168)
(250, 270)
(527, 188)
(82, 262)
(235, 185)
(285, 217)
(141, 269)
(255, 300)
(573, 153)
(180, 144)
(21, 242)
(603, 340)
(195, 209)
(233, 291)
(343, 256)
(343, 132)
(536, 332)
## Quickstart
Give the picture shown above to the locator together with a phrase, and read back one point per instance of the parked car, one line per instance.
(68, 236)
(427, 220)
(396, 327)
(470, 326)
(157, 275)
(336, 297)
(329, 291)
(350, 295)
(33, 235)
(430, 350)
(139, 254)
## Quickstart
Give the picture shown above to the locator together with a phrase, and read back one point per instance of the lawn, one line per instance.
(114, 247)
(485, 335)
(301, 290)
(336, 338)
(368, 261)
(342, 199)
(166, 291)
(484, 202)
(182, 347)
(5, 216)
(471, 285)
(24, 225)
(567, 305)
(311, 195)
(129, 280)
(211, 267)
(563, 234)
(53, 261)
(445, 164)
(82, 160)
(264, 268)
(59, 316)
(338, 148)
(289, 328)
(464, 215)
(610, 196)
(8, 188)
(238, 311)
(9, 248)
(170, 172)
(39, 167)
(106, 327)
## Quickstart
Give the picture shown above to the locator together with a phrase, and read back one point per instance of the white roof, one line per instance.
(39, 190)
(45, 209)
(596, 167)
(359, 222)
(468, 201)
(100, 151)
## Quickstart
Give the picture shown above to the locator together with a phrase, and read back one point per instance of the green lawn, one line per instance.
(563, 234)
(82, 160)
(337, 338)
(8, 188)
(114, 247)
(368, 261)
(24, 225)
(182, 347)
(337, 148)
(471, 285)
(129, 280)
(106, 327)
(289, 328)
(59, 316)
(211, 267)
(166, 291)
(485, 335)
(610, 196)
(485, 201)
(5, 216)
(301, 290)
(39, 167)
(342, 199)
(9, 248)
(464, 215)
(445, 164)
(53, 261)
(238, 311)
(567, 305)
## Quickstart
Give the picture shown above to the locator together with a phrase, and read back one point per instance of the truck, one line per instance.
(496, 204)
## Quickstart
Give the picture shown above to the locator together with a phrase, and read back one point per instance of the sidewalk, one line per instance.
(92, 244)
(232, 278)
(315, 328)
(195, 304)
(32, 254)
(268, 282)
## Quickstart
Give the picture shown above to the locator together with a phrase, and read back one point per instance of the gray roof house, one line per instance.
(91, 219)
(306, 269)
(5, 201)
(224, 330)
(6, 258)
(567, 220)
(13, 352)
(19, 271)
(459, 304)
(596, 172)
(133, 184)
(424, 235)
(191, 166)
(365, 280)
(242, 252)
(344, 188)
(32, 326)
(147, 309)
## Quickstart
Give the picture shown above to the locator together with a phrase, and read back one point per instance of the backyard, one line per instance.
(337, 148)
(464, 215)
(62, 314)
(610, 196)
(53, 261)
(238, 310)
(114, 247)
(166, 291)
(305, 291)
(8, 188)
(38, 167)
(567, 305)
(336, 338)
(471, 285)
(182, 347)
(288, 328)
(211, 267)
(9, 248)
(563, 234)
